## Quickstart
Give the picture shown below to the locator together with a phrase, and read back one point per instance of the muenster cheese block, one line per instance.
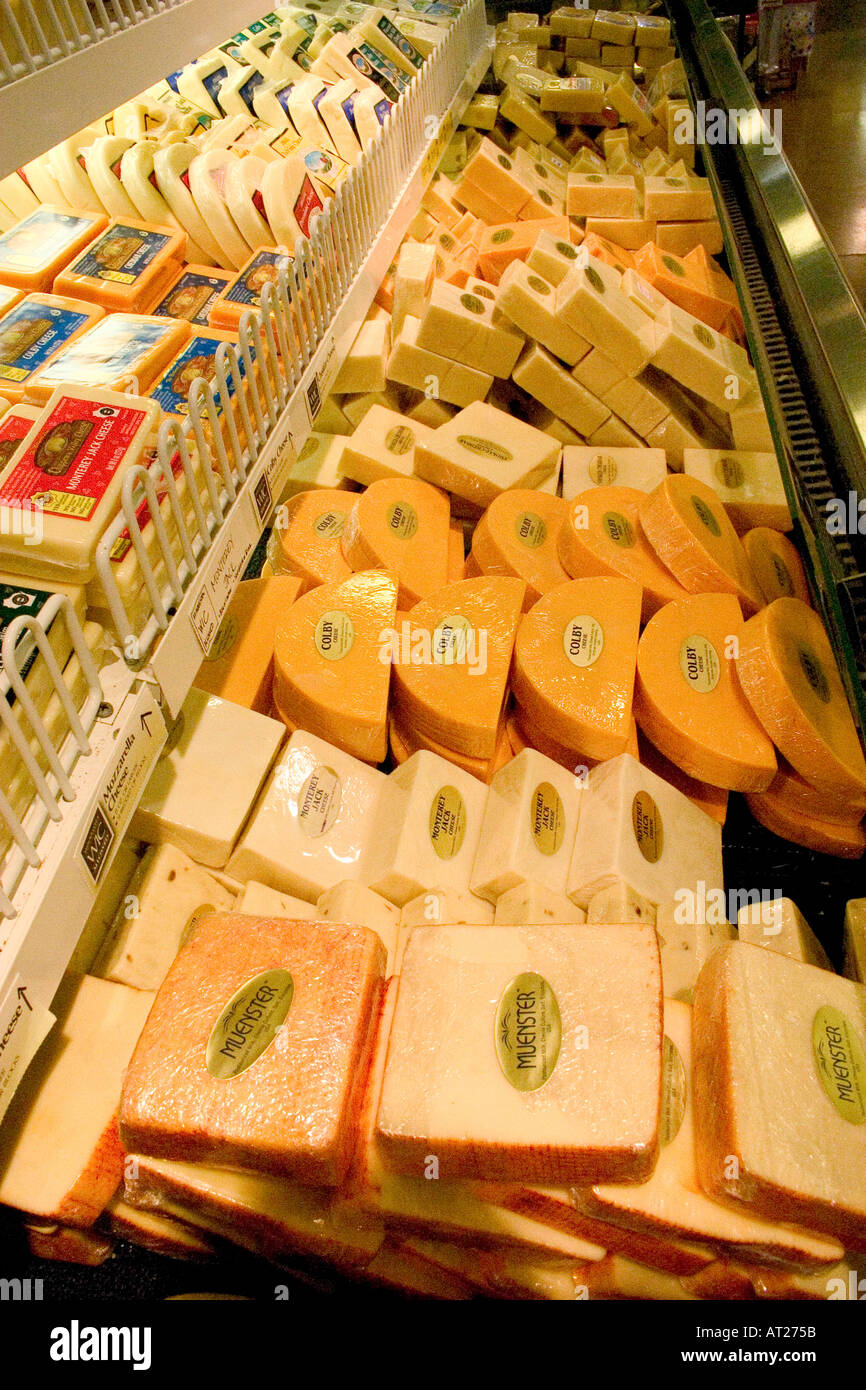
(601, 535)
(401, 525)
(554, 1054)
(688, 700)
(231, 1066)
(788, 673)
(450, 677)
(517, 535)
(780, 1096)
(305, 540)
(574, 664)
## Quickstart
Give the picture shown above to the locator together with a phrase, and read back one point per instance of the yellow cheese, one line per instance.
(841, 839)
(363, 368)
(34, 252)
(635, 469)
(356, 404)
(792, 790)
(482, 452)
(127, 267)
(351, 902)
(239, 665)
(671, 199)
(461, 325)
(601, 535)
(706, 362)
(591, 302)
(517, 535)
(597, 372)
(382, 446)
(601, 195)
(749, 484)
(401, 525)
(529, 302)
(318, 466)
(430, 372)
(305, 541)
(524, 112)
(548, 382)
(35, 330)
(855, 940)
(780, 926)
(119, 351)
(257, 900)
(413, 280)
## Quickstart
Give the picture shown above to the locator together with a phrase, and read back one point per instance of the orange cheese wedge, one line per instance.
(713, 800)
(602, 536)
(239, 666)
(332, 662)
(789, 676)
(688, 700)
(518, 535)
(574, 664)
(776, 565)
(522, 734)
(402, 525)
(691, 533)
(451, 670)
(821, 836)
(405, 742)
(794, 791)
(456, 553)
(306, 539)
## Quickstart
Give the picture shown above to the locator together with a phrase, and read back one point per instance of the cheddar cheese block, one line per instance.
(34, 331)
(248, 1000)
(601, 535)
(574, 663)
(776, 565)
(482, 452)
(305, 541)
(530, 822)
(329, 675)
(119, 351)
(239, 665)
(688, 700)
(788, 673)
(517, 535)
(691, 533)
(451, 683)
(127, 267)
(401, 525)
(529, 302)
(591, 302)
(550, 1115)
(779, 1090)
(35, 250)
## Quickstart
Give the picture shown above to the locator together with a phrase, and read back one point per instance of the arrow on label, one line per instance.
(144, 724)
(23, 995)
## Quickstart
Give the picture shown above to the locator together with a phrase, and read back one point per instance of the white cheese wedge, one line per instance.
(170, 165)
(532, 904)
(358, 906)
(779, 925)
(619, 903)
(530, 824)
(207, 181)
(257, 900)
(103, 162)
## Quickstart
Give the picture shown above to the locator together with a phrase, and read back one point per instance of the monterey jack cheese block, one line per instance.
(483, 451)
(529, 827)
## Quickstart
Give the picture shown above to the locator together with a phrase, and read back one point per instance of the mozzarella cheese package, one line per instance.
(243, 181)
(34, 331)
(291, 201)
(120, 350)
(33, 253)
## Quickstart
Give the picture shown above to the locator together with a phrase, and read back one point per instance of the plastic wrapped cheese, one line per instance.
(517, 535)
(776, 565)
(34, 331)
(601, 535)
(530, 823)
(244, 290)
(239, 665)
(35, 251)
(120, 350)
(402, 525)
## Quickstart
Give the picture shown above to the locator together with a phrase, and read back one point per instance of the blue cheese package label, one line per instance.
(191, 297)
(31, 333)
(197, 360)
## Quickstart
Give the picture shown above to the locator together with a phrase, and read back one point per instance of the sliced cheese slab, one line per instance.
(601, 535)
(530, 822)
(239, 665)
(482, 452)
(401, 525)
(776, 565)
(290, 1108)
(517, 535)
(329, 672)
(35, 250)
(305, 542)
(451, 683)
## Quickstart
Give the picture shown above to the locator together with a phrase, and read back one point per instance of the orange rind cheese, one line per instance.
(306, 539)
(401, 525)
(517, 535)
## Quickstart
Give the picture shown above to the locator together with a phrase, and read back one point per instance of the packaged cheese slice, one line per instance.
(779, 1061)
(601, 535)
(207, 175)
(636, 828)
(547, 1117)
(574, 664)
(193, 294)
(291, 201)
(517, 535)
(694, 538)
(788, 673)
(776, 565)
(171, 171)
(401, 525)
(102, 161)
(482, 452)
(33, 332)
(688, 700)
(529, 827)
(239, 665)
(332, 662)
(121, 350)
(845, 841)
(243, 181)
(35, 251)
(244, 290)
(127, 267)
(60, 1154)
(451, 675)
(305, 541)
(291, 1109)
(671, 1201)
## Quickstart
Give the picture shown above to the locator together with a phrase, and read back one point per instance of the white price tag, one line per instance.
(24, 1026)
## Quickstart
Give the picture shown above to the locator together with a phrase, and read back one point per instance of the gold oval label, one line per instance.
(703, 335)
(472, 303)
(530, 530)
(595, 178)
(451, 640)
(646, 821)
(536, 283)
(603, 470)
(566, 249)
(618, 529)
(503, 234)
(483, 292)
(815, 674)
(308, 450)
(402, 520)
(730, 472)
(541, 171)
(334, 635)
(319, 802)
(783, 578)
(594, 279)
(249, 1023)
(706, 516)
(528, 1032)
(547, 818)
(841, 1061)
(504, 161)
(227, 634)
(583, 640)
(446, 241)
(544, 197)
(399, 440)
(673, 1093)
(674, 182)
(699, 663)
(673, 266)
(330, 524)
(447, 823)
(485, 447)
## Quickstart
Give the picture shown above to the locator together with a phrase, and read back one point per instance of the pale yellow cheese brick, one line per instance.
(383, 446)
(430, 372)
(601, 195)
(544, 378)
(483, 451)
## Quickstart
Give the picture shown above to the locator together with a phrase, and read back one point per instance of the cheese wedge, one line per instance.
(601, 535)
(713, 800)
(530, 822)
(574, 664)
(290, 1110)
(780, 926)
(517, 535)
(239, 665)
(305, 541)
(405, 741)
(689, 530)
(855, 940)
(451, 683)
(779, 1092)
(792, 790)
(60, 1154)
(585, 1119)
(671, 1201)
(329, 673)
(776, 565)
(788, 673)
(401, 525)
(482, 452)
(821, 836)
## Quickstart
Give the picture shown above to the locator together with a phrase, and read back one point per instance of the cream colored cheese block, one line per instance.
(413, 281)
(687, 938)
(598, 373)
(531, 904)
(780, 926)
(855, 940)
(551, 257)
(601, 195)
(530, 823)
(243, 179)
(356, 404)
(427, 829)
(311, 825)
(446, 907)
(638, 407)
(60, 1154)
(529, 302)
(750, 425)
(636, 828)
(461, 325)
(430, 372)
(137, 177)
(292, 203)
(620, 903)
(257, 900)
(671, 1201)
(382, 446)
(672, 199)
(778, 1090)
(591, 302)
(521, 1106)
(363, 368)
(704, 361)
(749, 484)
(167, 893)
(584, 468)
(182, 804)
(101, 160)
(402, 525)
(482, 452)
(352, 903)
(208, 174)
(547, 381)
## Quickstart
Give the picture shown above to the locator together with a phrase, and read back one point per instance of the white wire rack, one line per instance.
(35, 36)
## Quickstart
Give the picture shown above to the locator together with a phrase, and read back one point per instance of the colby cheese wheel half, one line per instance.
(713, 800)
(693, 536)
(789, 676)
(602, 536)
(451, 675)
(776, 565)
(688, 700)
(170, 165)
(207, 179)
(404, 742)
(574, 664)
(328, 673)
(402, 525)
(824, 837)
(793, 791)
(518, 535)
(307, 543)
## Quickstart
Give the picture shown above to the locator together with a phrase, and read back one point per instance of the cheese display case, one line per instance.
(425, 627)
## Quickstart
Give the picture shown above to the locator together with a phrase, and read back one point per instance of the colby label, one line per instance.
(646, 821)
(528, 1032)
(583, 640)
(330, 524)
(485, 447)
(673, 266)
(547, 818)
(447, 822)
(319, 802)
(399, 440)
(699, 663)
(530, 530)
(451, 640)
(248, 1024)
(603, 470)
(706, 515)
(30, 334)
(729, 472)
(402, 520)
(815, 674)
(483, 292)
(841, 1061)
(334, 635)
(673, 1093)
(618, 529)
